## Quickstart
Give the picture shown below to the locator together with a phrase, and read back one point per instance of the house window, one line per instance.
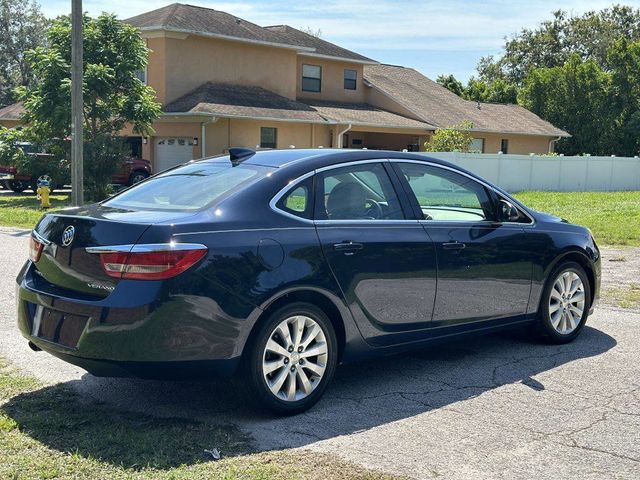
(504, 145)
(350, 77)
(268, 137)
(477, 145)
(311, 78)
(142, 75)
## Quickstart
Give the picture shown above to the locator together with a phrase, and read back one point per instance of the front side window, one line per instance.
(357, 192)
(350, 79)
(311, 78)
(444, 195)
(268, 137)
(190, 187)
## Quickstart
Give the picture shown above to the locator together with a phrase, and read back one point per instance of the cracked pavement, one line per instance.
(494, 407)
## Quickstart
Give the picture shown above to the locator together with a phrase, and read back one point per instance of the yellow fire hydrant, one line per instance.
(43, 192)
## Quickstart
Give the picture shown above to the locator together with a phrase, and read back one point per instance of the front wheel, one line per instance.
(292, 359)
(564, 307)
(137, 177)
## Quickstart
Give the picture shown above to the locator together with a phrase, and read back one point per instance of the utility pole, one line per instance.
(77, 117)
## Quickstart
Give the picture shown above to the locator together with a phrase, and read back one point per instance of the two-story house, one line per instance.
(224, 81)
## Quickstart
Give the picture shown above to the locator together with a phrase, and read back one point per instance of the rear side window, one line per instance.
(298, 200)
(190, 187)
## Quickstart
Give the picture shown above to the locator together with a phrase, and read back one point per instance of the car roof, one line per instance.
(325, 156)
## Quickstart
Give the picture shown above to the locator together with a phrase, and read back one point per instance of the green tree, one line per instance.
(451, 83)
(10, 152)
(554, 41)
(577, 98)
(113, 94)
(22, 28)
(624, 61)
(498, 91)
(452, 139)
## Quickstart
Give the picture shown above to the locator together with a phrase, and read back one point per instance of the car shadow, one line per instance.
(140, 421)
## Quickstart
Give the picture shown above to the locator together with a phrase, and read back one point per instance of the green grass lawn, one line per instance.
(23, 209)
(49, 432)
(614, 217)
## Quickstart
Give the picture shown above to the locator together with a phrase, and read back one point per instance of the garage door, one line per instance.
(172, 151)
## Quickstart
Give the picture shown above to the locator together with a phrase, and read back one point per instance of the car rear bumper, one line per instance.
(185, 370)
(137, 330)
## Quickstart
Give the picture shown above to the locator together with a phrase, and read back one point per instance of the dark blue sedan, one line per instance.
(282, 264)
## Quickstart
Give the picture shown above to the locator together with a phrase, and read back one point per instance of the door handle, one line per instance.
(454, 246)
(347, 247)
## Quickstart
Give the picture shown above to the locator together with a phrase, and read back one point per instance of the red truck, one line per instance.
(132, 170)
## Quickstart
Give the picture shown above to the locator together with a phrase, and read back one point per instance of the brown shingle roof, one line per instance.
(189, 18)
(435, 104)
(320, 46)
(12, 112)
(228, 100)
(364, 114)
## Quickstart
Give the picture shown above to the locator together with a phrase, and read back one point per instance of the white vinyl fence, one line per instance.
(516, 173)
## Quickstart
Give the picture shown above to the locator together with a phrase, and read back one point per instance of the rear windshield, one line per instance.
(190, 187)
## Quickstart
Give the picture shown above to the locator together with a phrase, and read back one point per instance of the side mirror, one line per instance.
(507, 212)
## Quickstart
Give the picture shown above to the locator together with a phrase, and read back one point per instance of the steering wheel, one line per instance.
(373, 209)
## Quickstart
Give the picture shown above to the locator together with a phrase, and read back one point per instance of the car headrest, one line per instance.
(347, 201)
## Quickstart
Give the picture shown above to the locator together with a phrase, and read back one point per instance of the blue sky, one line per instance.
(436, 37)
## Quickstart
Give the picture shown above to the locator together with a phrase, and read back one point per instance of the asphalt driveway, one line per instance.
(499, 406)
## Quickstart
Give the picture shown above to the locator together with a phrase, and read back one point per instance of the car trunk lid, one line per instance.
(64, 260)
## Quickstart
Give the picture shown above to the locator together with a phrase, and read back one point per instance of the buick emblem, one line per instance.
(67, 235)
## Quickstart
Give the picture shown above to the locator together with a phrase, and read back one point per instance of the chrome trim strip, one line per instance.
(146, 247)
(241, 230)
(40, 238)
(376, 221)
(280, 194)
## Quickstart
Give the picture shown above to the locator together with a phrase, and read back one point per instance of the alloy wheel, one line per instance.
(137, 178)
(566, 302)
(295, 358)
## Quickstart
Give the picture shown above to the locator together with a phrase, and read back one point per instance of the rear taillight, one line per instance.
(35, 250)
(149, 262)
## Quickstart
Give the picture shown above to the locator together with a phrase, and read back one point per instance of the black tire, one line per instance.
(544, 326)
(137, 177)
(259, 392)
(17, 186)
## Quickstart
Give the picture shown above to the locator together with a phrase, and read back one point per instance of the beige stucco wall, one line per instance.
(246, 133)
(156, 67)
(332, 87)
(178, 65)
(518, 144)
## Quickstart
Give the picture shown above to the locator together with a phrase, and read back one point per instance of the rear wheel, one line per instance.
(17, 186)
(292, 359)
(565, 302)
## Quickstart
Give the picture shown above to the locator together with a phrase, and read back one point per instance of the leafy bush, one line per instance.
(452, 139)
